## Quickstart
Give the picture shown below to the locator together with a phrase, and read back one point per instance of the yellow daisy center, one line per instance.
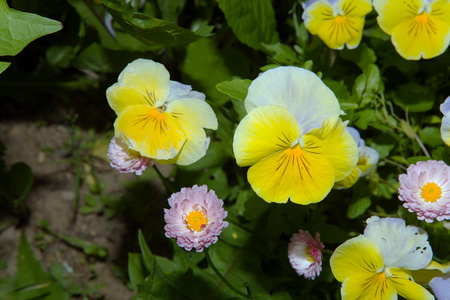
(308, 255)
(196, 220)
(431, 192)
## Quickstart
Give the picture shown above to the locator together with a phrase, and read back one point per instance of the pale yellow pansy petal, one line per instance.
(298, 90)
(393, 12)
(336, 145)
(368, 158)
(349, 181)
(292, 173)
(406, 287)
(265, 131)
(434, 269)
(424, 36)
(194, 111)
(152, 133)
(194, 148)
(142, 82)
(369, 287)
(357, 257)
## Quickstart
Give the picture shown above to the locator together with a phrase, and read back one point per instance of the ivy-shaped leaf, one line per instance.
(18, 29)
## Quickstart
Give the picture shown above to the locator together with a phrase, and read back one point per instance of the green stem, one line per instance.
(213, 267)
(164, 180)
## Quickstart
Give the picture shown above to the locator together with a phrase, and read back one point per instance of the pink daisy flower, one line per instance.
(426, 190)
(195, 217)
(305, 254)
(127, 160)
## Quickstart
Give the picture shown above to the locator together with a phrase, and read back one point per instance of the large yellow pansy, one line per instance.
(292, 138)
(359, 265)
(336, 22)
(418, 28)
(159, 118)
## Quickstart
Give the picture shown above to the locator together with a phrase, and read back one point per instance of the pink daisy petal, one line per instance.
(126, 160)
(305, 254)
(425, 190)
(195, 217)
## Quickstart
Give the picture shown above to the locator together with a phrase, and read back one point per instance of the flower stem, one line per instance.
(213, 267)
(166, 182)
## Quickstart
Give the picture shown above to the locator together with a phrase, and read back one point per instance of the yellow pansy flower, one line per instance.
(378, 264)
(418, 28)
(336, 22)
(367, 161)
(159, 118)
(292, 138)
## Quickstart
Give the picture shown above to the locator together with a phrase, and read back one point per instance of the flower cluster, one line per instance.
(418, 29)
(378, 264)
(157, 118)
(292, 138)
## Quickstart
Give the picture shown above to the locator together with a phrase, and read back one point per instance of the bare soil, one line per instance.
(51, 198)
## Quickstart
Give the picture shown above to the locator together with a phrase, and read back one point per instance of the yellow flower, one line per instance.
(367, 161)
(160, 118)
(378, 264)
(418, 28)
(336, 22)
(292, 138)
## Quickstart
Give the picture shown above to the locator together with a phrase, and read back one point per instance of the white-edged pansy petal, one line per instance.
(298, 90)
(142, 82)
(401, 246)
(194, 111)
(265, 131)
(150, 132)
(179, 90)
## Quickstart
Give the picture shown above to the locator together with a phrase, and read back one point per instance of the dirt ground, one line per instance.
(51, 199)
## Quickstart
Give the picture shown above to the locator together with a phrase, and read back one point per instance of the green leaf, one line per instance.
(29, 270)
(148, 29)
(358, 207)
(253, 21)
(362, 55)
(171, 9)
(205, 66)
(147, 255)
(136, 269)
(415, 159)
(431, 136)
(99, 59)
(21, 180)
(254, 207)
(236, 88)
(18, 29)
(282, 54)
(91, 16)
(414, 97)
